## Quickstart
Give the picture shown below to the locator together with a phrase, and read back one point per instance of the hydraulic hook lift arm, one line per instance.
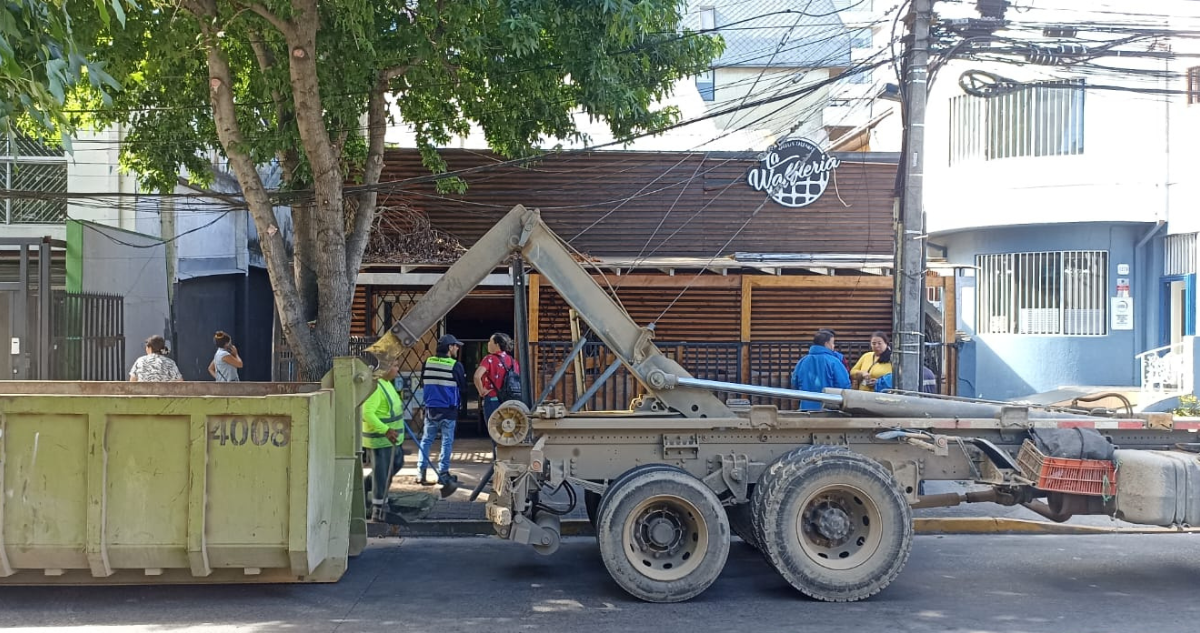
(522, 231)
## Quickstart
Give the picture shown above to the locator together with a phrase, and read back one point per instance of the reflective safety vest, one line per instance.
(438, 383)
(380, 413)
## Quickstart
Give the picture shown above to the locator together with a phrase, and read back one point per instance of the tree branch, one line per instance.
(364, 213)
(285, 27)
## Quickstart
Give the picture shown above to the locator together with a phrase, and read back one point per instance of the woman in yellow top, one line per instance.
(874, 364)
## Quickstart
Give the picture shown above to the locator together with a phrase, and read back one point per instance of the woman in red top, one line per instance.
(489, 377)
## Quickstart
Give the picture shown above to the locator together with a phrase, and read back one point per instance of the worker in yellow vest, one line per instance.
(383, 432)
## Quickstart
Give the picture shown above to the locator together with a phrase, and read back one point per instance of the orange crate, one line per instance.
(1095, 477)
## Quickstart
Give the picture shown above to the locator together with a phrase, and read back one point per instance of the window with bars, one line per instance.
(1049, 293)
(1042, 119)
(1193, 85)
(32, 168)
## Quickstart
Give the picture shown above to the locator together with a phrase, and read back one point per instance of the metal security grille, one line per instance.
(1044, 119)
(1179, 257)
(29, 166)
(88, 337)
(1049, 293)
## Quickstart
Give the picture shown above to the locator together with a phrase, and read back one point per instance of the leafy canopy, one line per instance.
(517, 68)
(41, 62)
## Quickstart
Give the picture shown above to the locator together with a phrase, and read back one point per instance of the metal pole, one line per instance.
(587, 395)
(44, 310)
(910, 244)
(521, 327)
(758, 390)
(562, 370)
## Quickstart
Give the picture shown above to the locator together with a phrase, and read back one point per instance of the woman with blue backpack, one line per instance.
(498, 377)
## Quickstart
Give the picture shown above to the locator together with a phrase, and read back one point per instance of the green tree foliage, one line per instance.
(41, 62)
(308, 84)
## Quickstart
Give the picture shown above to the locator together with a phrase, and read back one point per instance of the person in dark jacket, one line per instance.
(442, 382)
(822, 367)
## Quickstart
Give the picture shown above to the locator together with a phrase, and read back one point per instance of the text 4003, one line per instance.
(257, 431)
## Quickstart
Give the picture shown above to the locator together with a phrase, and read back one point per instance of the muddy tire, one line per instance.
(741, 523)
(833, 523)
(632, 472)
(663, 535)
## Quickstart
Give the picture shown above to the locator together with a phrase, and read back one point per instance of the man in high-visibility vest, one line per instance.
(383, 432)
(442, 383)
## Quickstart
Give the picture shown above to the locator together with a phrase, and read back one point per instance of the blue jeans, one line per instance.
(437, 422)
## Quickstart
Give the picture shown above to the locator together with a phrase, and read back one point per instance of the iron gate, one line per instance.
(87, 333)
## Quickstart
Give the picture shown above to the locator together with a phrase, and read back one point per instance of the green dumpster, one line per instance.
(132, 483)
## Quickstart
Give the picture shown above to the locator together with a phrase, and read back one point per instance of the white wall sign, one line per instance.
(1122, 269)
(794, 173)
(1122, 313)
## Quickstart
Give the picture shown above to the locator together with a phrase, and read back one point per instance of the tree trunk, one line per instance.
(274, 251)
(334, 289)
(303, 253)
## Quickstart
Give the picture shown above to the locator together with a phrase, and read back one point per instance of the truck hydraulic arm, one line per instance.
(522, 231)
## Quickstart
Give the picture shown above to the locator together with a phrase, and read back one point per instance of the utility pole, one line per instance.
(909, 275)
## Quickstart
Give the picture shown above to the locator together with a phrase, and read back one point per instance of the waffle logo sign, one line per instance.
(793, 173)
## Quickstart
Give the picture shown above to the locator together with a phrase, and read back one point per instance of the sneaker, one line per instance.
(423, 481)
(378, 513)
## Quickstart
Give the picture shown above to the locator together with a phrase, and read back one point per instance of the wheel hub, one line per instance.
(661, 532)
(833, 523)
(837, 526)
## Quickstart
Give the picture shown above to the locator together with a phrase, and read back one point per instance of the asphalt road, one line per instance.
(976, 584)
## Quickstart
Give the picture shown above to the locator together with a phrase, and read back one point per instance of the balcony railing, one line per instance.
(1168, 369)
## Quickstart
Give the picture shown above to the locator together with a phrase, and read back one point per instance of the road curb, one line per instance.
(993, 525)
(940, 525)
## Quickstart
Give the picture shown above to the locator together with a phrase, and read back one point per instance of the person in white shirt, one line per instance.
(155, 366)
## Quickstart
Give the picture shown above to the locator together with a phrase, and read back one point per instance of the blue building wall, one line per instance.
(1005, 366)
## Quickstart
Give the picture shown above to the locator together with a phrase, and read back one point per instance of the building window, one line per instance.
(1179, 254)
(1193, 90)
(706, 84)
(708, 19)
(29, 166)
(1043, 119)
(1052, 293)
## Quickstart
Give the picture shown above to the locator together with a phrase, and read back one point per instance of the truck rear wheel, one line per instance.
(663, 535)
(833, 523)
(594, 504)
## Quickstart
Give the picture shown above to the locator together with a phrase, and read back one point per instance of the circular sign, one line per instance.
(793, 173)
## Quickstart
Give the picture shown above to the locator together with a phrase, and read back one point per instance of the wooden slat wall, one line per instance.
(795, 314)
(359, 312)
(703, 313)
(627, 204)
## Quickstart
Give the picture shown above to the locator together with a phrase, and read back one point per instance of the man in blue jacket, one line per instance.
(821, 368)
